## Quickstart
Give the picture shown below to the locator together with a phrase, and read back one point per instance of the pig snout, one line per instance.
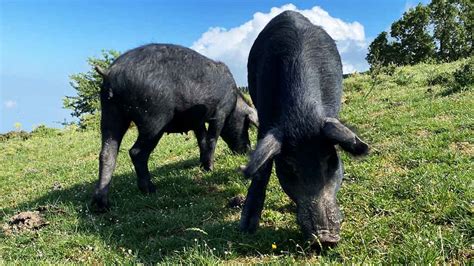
(320, 221)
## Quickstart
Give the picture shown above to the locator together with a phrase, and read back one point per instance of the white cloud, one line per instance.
(10, 104)
(232, 46)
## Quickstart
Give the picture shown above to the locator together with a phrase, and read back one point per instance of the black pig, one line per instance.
(295, 81)
(167, 88)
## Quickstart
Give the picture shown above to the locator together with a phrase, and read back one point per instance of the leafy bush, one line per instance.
(44, 131)
(90, 121)
(389, 69)
(21, 134)
(442, 78)
(463, 78)
(87, 87)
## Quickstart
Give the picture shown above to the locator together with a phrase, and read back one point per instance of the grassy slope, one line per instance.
(410, 200)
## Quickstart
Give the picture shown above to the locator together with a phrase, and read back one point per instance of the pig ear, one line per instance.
(253, 116)
(249, 111)
(340, 134)
(101, 71)
(267, 148)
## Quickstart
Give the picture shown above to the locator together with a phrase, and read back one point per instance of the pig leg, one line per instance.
(201, 133)
(140, 153)
(255, 199)
(113, 127)
(213, 133)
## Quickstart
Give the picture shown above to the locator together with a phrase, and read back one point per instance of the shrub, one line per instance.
(44, 131)
(389, 70)
(463, 78)
(20, 134)
(90, 121)
(442, 79)
(87, 86)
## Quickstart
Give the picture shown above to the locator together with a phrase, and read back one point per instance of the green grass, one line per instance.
(411, 200)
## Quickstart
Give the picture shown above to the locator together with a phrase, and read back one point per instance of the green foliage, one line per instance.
(411, 33)
(381, 52)
(18, 134)
(450, 29)
(408, 202)
(459, 78)
(463, 78)
(442, 79)
(44, 131)
(87, 86)
(442, 30)
(410, 42)
(466, 17)
(90, 121)
(39, 131)
(388, 69)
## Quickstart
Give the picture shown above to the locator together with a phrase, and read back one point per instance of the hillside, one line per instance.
(410, 200)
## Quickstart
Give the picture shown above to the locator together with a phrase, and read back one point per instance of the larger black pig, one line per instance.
(295, 81)
(167, 88)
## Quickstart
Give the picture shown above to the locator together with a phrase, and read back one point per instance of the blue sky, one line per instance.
(43, 42)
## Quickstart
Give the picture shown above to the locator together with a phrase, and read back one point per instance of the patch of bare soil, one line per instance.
(29, 220)
(423, 133)
(464, 148)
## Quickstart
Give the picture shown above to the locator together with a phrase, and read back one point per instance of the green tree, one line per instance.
(380, 51)
(415, 44)
(466, 18)
(87, 86)
(450, 29)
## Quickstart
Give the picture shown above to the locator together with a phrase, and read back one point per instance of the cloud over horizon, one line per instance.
(232, 46)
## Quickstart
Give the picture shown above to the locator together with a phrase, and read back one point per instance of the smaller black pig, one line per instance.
(166, 88)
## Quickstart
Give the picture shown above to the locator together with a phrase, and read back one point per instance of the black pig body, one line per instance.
(167, 88)
(295, 81)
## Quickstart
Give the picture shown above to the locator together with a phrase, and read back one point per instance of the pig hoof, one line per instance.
(207, 166)
(249, 224)
(147, 187)
(100, 204)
